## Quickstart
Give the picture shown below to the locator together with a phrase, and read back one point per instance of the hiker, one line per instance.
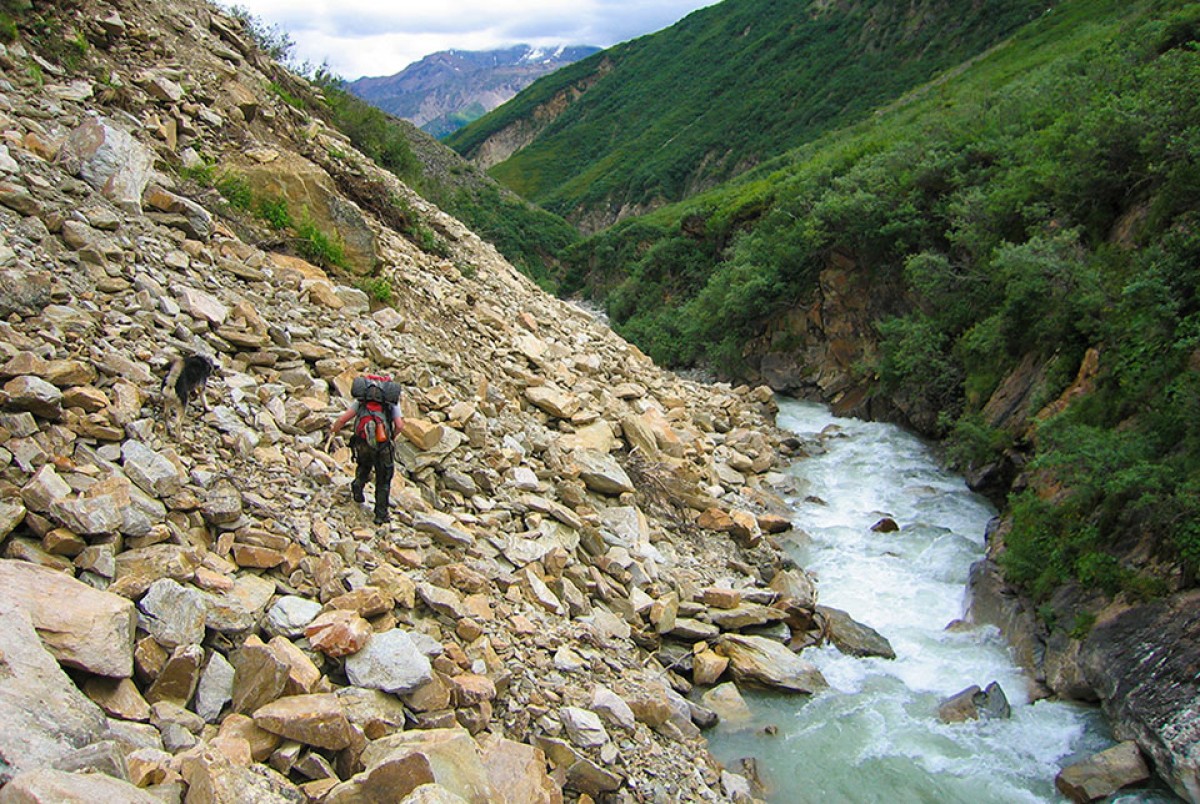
(377, 421)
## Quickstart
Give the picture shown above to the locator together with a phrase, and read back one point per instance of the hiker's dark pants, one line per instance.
(382, 462)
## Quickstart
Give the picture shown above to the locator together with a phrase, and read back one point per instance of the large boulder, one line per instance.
(316, 719)
(600, 472)
(308, 190)
(110, 160)
(518, 771)
(391, 662)
(451, 755)
(1102, 774)
(762, 661)
(974, 703)
(1127, 657)
(49, 786)
(852, 637)
(83, 627)
(44, 715)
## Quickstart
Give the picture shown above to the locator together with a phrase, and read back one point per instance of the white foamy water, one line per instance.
(875, 736)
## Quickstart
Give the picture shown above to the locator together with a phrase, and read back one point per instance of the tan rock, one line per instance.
(1103, 774)
(518, 771)
(119, 697)
(424, 435)
(772, 523)
(259, 677)
(470, 689)
(394, 584)
(258, 557)
(262, 742)
(338, 632)
(431, 696)
(452, 755)
(758, 660)
(317, 720)
(707, 667)
(49, 786)
(367, 601)
(598, 437)
(538, 592)
(715, 519)
(303, 675)
(177, 680)
(745, 528)
(83, 627)
(211, 777)
(719, 598)
(390, 780)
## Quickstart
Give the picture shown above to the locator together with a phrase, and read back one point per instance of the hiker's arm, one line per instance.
(342, 420)
(397, 425)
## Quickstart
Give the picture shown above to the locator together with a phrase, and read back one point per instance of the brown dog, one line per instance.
(187, 377)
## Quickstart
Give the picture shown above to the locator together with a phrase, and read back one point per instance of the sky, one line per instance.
(377, 37)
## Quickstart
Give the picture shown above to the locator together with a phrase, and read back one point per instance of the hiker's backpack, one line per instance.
(375, 395)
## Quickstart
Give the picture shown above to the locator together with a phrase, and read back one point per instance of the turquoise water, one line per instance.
(875, 735)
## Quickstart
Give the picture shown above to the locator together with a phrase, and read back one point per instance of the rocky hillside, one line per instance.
(578, 538)
(444, 91)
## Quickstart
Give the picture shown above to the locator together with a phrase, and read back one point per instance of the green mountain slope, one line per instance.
(725, 89)
(529, 237)
(1035, 213)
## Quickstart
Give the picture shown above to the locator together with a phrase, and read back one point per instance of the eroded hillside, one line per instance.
(578, 537)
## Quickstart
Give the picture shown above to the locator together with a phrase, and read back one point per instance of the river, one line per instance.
(875, 735)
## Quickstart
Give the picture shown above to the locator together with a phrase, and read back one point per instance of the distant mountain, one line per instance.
(444, 91)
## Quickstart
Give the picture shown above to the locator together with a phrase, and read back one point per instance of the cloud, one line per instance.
(368, 37)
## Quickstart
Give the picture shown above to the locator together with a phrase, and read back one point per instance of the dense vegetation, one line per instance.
(727, 88)
(1042, 203)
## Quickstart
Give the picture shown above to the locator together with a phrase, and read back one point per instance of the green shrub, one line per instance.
(274, 211)
(378, 288)
(10, 12)
(279, 91)
(235, 189)
(430, 241)
(1082, 626)
(204, 174)
(317, 246)
(971, 443)
(272, 40)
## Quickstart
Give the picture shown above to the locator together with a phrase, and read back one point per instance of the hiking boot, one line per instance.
(356, 492)
(380, 518)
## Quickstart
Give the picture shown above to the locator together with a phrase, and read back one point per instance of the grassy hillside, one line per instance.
(728, 88)
(1040, 203)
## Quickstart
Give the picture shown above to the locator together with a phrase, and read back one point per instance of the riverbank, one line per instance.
(876, 734)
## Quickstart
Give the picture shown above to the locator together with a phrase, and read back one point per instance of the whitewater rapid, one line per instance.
(875, 735)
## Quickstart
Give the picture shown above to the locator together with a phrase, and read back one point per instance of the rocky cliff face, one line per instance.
(444, 91)
(819, 351)
(577, 536)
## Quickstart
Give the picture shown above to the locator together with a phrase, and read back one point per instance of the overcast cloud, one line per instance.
(374, 37)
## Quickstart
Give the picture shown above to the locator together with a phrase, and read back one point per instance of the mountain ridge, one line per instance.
(727, 88)
(446, 90)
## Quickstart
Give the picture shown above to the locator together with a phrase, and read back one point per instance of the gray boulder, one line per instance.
(110, 160)
(45, 716)
(391, 662)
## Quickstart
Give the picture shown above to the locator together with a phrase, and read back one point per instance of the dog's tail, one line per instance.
(172, 378)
